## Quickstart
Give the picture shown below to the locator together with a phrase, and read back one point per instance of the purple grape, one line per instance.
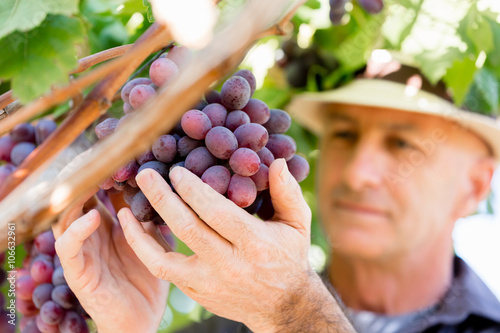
(125, 172)
(248, 75)
(165, 148)
(24, 287)
(128, 193)
(217, 177)
(199, 160)
(236, 119)
(241, 191)
(266, 211)
(279, 122)
(145, 157)
(180, 55)
(127, 88)
(5, 172)
(244, 162)
(217, 114)
(6, 145)
(261, 178)
(63, 296)
(5, 326)
(257, 110)
(337, 10)
(235, 93)
(73, 323)
(299, 168)
(127, 108)
(163, 71)
(106, 127)
(186, 145)
(58, 275)
(141, 208)
(159, 167)
(372, 6)
(213, 96)
(51, 313)
(221, 142)
(44, 327)
(23, 133)
(140, 95)
(253, 136)
(266, 157)
(27, 325)
(43, 129)
(20, 152)
(196, 124)
(44, 243)
(281, 146)
(255, 206)
(41, 271)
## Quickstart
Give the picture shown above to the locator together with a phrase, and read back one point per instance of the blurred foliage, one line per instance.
(453, 41)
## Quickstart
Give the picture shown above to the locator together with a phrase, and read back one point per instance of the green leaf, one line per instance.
(36, 60)
(149, 10)
(483, 96)
(475, 30)
(401, 22)
(435, 63)
(459, 78)
(24, 15)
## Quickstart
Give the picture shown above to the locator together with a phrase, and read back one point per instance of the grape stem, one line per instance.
(217, 59)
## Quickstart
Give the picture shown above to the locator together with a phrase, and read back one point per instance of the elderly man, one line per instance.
(399, 165)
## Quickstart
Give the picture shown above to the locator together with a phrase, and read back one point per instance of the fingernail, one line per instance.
(284, 174)
(175, 175)
(144, 179)
(122, 218)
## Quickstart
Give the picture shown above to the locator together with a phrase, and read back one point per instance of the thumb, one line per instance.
(286, 195)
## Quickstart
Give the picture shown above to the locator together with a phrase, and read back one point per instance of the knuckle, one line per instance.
(158, 199)
(160, 271)
(190, 234)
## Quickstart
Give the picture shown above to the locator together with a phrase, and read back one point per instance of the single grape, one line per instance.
(63, 296)
(165, 148)
(163, 71)
(261, 178)
(44, 243)
(221, 142)
(279, 122)
(24, 287)
(159, 167)
(145, 157)
(125, 172)
(235, 93)
(253, 136)
(196, 124)
(186, 145)
(217, 177)
(140, 95)
(199, 160)
(257, 110)
(6, 145)
(73, 323)
(266, 157)
(244, 162)
(213, 96)
(372, 6)
(281, 146)
(127, 108)
(217, 114)
(236, 119)
(43, 129)
(337, 10)
(127, 88)
(266, 211)
(128, 193)
(248, 75)
(20, 152)
(180, 55)
(141, 208)
(41, 271)
(299, 168)
(44, 327)
(51, 313)
(241, 191)
(106, 127)
(58, 275)
(23, 133)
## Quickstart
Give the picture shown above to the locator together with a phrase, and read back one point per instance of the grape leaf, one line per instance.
(35, 60)
(24, 15)
(475, 30)
(435, 63)
(459, 78)
(149, 10)
(483, 96)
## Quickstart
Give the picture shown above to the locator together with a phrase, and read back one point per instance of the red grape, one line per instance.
(244, 162)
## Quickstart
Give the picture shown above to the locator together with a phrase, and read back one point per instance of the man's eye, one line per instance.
(400, 143)
(345, 135)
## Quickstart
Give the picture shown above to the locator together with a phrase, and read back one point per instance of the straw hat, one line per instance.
(392, 85)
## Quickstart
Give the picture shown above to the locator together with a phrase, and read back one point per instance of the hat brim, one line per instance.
(311, 109)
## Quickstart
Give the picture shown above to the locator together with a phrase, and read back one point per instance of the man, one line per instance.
(399, 165)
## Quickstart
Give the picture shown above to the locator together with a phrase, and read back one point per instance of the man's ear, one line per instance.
(478, 183)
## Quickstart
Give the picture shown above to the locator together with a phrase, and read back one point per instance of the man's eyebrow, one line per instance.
(341, 116)
(386, 126)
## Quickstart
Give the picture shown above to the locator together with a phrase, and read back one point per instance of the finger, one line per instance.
(220, 213)
(69, 244)
(179, 217)
(84, 204)
(170, 266)
(286, 195)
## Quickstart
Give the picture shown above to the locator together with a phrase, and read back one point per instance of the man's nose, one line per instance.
(366, 166)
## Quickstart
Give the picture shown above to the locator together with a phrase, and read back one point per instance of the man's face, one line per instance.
(390, 181)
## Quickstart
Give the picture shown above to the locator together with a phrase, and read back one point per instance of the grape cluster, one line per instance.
(42, 294)
(20, 142)
(337, 8)
(229, 140)
(5, 327)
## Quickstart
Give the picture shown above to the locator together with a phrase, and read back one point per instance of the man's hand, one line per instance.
(244, 269)
(112, 284)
